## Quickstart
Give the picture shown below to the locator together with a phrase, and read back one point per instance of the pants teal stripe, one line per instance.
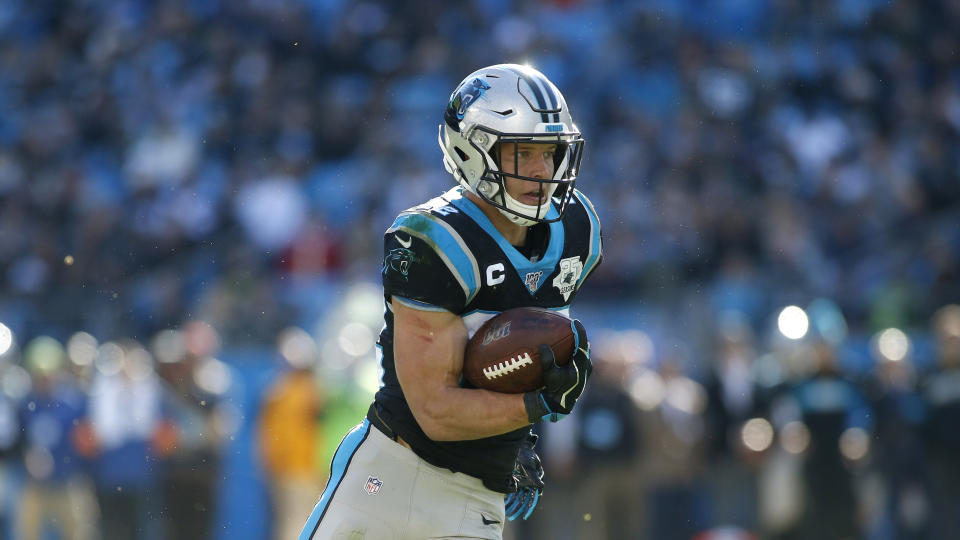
(338, 469)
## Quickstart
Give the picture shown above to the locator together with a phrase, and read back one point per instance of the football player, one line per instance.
(435, 457)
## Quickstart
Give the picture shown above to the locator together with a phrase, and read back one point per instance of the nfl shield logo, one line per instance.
(532, 281)
(373, 485)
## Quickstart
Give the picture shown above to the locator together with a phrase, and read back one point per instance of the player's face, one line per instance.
(533, 160)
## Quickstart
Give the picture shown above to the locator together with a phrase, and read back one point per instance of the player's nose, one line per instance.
(542, 167)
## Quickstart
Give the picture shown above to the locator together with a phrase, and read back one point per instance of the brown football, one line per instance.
(502, 355)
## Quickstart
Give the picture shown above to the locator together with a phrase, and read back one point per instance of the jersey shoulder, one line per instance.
(427, 259)
(583, 223)
(581, 208)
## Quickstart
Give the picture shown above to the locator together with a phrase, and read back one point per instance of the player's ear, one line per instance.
(547, 360)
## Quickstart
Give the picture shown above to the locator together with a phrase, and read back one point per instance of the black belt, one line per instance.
(373, 414)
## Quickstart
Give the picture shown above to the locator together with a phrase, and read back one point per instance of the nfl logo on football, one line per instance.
(373, 485)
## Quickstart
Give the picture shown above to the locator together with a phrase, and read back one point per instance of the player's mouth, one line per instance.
(532, 198)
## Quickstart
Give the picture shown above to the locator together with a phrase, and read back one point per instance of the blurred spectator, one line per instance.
(58, 492)
(608, 452)
(558, 515)
(10, 438)
(941, 393)
(674, 451)
(732, 401)
(290, 435)
(194, 383)
(899, 454)
(15, 382)
(133, 432)
(837, 416)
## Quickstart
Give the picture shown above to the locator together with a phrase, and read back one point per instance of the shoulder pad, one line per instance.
(595, 253)
(426, 227)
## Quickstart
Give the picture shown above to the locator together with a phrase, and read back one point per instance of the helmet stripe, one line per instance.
(554, 102)
(547, 89)
(541, 103)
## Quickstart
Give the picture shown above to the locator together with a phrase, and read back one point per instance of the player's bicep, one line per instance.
(428, 352)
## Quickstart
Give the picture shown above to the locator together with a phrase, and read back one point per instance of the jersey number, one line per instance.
(445, 210)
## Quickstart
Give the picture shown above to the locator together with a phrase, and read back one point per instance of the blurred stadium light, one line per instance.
(854, 443)
(793, 322)
(44, 354)
(212, 376)
(648, 390)
(298, 347)
(347, 336)
(828, 320)
(892, 344)
(356, 339)
(137, 363)
(168, 346)
(757, 434)
(109, 360)
(795, 437)
(15, 382)
(82, 349)
(686, 396)
(947, 320)
(6, 339)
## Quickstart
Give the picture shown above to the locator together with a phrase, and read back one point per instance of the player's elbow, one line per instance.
(436, 431)
(436, 422)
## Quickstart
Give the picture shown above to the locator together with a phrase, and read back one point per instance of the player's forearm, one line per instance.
(459, 414)
(428, 354)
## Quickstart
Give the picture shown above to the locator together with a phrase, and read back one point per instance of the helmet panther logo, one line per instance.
(466, 95)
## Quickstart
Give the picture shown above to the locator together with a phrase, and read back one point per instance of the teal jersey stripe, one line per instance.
(596, 248)
(522, 264)
(447, 244)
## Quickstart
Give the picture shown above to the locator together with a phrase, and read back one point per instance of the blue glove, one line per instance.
(562, 384)
(528, 476)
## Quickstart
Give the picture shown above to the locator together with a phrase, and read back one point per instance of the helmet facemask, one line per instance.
(493, 185)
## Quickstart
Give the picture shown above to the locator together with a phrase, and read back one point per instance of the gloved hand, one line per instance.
(528, 475)
(562, 384)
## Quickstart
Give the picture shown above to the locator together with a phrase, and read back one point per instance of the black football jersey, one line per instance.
(446, 254)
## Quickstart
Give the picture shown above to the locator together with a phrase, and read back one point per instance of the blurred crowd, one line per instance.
(236, 162)
(776, 440)
(163, 439)
(112, 440)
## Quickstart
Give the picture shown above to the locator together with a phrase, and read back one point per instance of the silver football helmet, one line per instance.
(510, 104)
